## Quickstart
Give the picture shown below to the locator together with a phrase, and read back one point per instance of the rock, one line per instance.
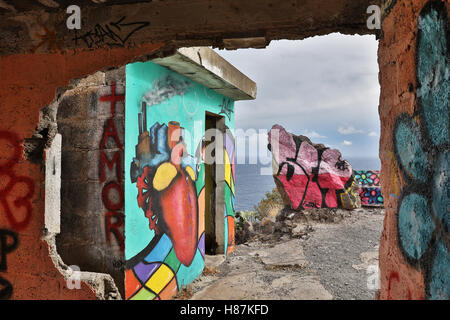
(244, 233)
(299, 231)
(267, 226)
(309, 175)
(286, 254)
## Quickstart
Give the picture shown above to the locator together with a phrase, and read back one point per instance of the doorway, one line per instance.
(213, 123)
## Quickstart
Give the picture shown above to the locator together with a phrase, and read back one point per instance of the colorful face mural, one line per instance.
(165, 184)
(422, 152)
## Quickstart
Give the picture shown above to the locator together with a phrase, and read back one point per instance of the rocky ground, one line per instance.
(318, 254)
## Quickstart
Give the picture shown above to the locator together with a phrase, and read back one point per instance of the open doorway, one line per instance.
(213, 123)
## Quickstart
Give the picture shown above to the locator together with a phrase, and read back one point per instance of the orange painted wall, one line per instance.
(400, 279)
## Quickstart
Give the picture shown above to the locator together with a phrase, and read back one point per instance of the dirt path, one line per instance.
(331, 263)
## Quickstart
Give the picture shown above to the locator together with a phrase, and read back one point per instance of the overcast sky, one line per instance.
(323, 87)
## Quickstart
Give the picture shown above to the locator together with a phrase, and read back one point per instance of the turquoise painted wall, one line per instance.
(158, 254)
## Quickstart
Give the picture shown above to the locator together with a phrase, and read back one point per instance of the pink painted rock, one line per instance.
(311, 175)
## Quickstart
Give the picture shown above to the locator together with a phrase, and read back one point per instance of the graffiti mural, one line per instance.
(10, 203)
(422, 152)
(370, 189)
(16, 208)
(8, 243)
(229, 192)
(165, 181)
(113, 217)
(312, 176)
(113, 34)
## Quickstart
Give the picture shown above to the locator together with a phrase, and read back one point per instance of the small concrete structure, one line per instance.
(205, 66)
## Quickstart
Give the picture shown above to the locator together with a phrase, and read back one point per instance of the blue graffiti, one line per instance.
(423, 218)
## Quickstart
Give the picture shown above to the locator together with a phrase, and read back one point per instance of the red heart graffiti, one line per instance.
(174, 210)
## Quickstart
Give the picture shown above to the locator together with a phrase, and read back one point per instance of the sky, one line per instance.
(323, 87)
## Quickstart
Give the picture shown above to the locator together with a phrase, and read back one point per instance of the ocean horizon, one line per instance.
(251, 186)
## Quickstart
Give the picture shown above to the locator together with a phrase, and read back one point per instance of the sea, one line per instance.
(251, 186)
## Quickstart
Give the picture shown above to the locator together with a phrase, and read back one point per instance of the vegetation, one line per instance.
(271, 201)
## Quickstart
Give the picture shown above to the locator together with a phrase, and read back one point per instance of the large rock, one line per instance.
(311, 175)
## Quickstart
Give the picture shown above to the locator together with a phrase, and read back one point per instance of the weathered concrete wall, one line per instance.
(233, 24)
(414, 150)
(165, 180)
(90, 119)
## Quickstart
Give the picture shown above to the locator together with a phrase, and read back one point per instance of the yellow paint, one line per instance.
(201, 213)
(227, 169)
(190, 172)
(160, 279)
(232, 186)
(164, 176)
(394, 180)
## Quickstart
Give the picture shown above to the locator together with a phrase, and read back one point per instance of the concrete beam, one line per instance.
(180, 23)
(208, 68)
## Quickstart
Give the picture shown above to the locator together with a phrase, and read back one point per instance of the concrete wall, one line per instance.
(90, 119)
(165, 180)
(414, 150)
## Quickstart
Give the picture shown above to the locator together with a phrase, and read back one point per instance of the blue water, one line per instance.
(251, 186)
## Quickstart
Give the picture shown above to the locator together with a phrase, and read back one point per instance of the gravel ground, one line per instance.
(334, 249)
(331, 262)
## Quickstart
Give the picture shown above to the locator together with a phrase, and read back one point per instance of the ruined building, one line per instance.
(48, 70)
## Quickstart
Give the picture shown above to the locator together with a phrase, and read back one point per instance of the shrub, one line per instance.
(272, 200)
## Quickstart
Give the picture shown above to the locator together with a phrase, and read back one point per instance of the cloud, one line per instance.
(372, 134)
(347, 143)
(312, 134)
(349, 130)
(312, 87)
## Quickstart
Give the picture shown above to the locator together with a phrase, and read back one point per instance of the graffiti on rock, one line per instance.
(370, 189)
(312, 176)
(422, 153)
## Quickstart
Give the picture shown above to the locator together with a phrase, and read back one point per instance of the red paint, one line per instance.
(113, 98)
(104, 161)
(114, 228)
(107, 201)
(110, 205)
(110, 132)
(395, 276)
(10, 202)
(180, 214)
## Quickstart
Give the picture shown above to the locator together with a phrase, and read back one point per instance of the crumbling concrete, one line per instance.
(178, 24)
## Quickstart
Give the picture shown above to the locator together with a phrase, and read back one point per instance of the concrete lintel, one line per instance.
(205, 66)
